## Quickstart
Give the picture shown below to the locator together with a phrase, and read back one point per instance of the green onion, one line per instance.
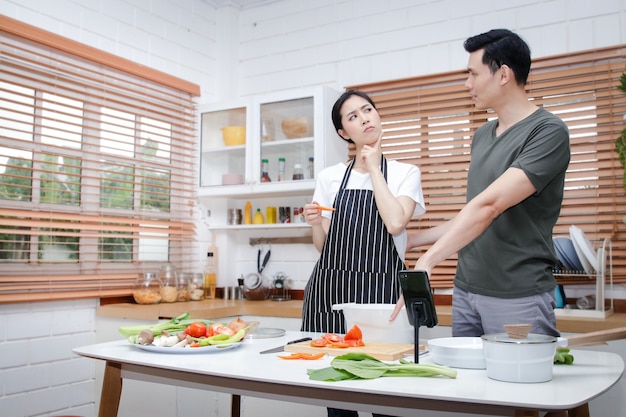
(176, 324)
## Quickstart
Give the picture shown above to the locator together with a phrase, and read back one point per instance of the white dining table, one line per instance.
(243, 371)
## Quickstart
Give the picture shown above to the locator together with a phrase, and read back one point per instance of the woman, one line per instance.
(362, 242)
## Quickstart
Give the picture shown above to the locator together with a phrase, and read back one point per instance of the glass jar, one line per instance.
(255, 287)
(196, 286)
(147, 289)
(182, 290)
(169, 283)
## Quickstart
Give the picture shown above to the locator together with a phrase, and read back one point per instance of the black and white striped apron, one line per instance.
(358, 262)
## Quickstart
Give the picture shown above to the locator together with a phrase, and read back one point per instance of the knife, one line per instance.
(282, 348)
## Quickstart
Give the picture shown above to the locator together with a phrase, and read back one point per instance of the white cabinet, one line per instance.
(294, 125)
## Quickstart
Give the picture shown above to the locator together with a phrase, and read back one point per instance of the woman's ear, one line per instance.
(343, 134)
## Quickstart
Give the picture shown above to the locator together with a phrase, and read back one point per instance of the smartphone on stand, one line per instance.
(418, 299)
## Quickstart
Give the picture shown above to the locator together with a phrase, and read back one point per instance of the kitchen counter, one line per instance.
(217, 308)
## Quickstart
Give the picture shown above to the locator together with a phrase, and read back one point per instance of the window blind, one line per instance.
(429, 121)
(98, 169)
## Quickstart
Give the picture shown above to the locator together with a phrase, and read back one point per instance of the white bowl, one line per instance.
(458, 352)
(373, 320)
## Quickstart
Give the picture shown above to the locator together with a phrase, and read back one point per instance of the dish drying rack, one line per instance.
(604, 256)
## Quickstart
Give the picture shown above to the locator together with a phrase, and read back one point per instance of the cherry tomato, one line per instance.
(196, 329)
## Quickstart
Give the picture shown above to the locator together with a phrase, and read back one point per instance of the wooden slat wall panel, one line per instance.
(429, 121)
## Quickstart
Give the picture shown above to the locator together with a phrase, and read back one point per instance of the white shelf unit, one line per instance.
(604, 256)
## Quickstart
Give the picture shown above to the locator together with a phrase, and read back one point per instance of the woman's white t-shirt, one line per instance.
(402, 179)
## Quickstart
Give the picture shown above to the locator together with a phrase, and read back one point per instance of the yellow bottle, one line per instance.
(247, 217)
(258, 217)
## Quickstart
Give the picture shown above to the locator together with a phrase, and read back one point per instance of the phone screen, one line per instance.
(418, 298)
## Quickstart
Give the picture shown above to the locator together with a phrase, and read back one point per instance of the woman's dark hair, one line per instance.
(336, 111)
(502, 47)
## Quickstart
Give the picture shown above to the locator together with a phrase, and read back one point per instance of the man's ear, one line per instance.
(506, 74)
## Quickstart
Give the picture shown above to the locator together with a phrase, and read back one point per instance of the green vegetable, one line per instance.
(213, 339)
(177, 324)
(232, 339)
(363, 366)
(563, 357)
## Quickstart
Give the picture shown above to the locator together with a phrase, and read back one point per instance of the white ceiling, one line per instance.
(240, 4)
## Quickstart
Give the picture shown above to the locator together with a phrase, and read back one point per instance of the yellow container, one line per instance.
(270, 215)
(234, 135)
(258, 217)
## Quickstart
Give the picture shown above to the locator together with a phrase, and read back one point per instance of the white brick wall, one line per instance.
(39, 374)
(281, 45)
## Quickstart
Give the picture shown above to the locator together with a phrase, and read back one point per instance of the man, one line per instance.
(503, 235)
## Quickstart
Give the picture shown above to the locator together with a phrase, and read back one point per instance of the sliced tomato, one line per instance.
(354, 334)
(210, 331)
(332, 338)
(319, 342)
(340, 345)
(355, 342)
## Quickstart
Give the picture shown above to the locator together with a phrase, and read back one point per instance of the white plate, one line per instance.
(186, 350)
(458, 352)
(587, 253)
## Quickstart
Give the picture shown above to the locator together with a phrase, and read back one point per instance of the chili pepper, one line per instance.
(306, 356)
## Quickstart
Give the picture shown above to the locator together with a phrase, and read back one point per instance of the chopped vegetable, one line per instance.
(353, 338)
(176, 324)
(362, 366)
(563, 357)
(306, 356)
(196, 329)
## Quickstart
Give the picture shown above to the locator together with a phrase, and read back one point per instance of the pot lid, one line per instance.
(532, 338)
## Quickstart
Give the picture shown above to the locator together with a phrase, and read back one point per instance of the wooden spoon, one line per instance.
(596, 338)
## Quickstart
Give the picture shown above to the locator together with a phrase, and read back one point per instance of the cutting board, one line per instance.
(379, 350)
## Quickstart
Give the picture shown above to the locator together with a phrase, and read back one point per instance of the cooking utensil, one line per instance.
(283, 347)
(373, 320)
(599, 337)
(458, 352)
(519, 360)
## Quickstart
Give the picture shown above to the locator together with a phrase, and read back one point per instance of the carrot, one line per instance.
(326, 208)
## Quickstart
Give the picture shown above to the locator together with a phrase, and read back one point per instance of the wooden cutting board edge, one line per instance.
(379, 350)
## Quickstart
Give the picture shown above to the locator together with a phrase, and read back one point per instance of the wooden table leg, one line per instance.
(111, 390)
(580, 411)
(235, 405)
(526, 413)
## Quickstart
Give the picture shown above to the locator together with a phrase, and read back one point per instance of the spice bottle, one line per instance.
(298, 173)
(281, 169)
(311, 168)
(265, 176)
